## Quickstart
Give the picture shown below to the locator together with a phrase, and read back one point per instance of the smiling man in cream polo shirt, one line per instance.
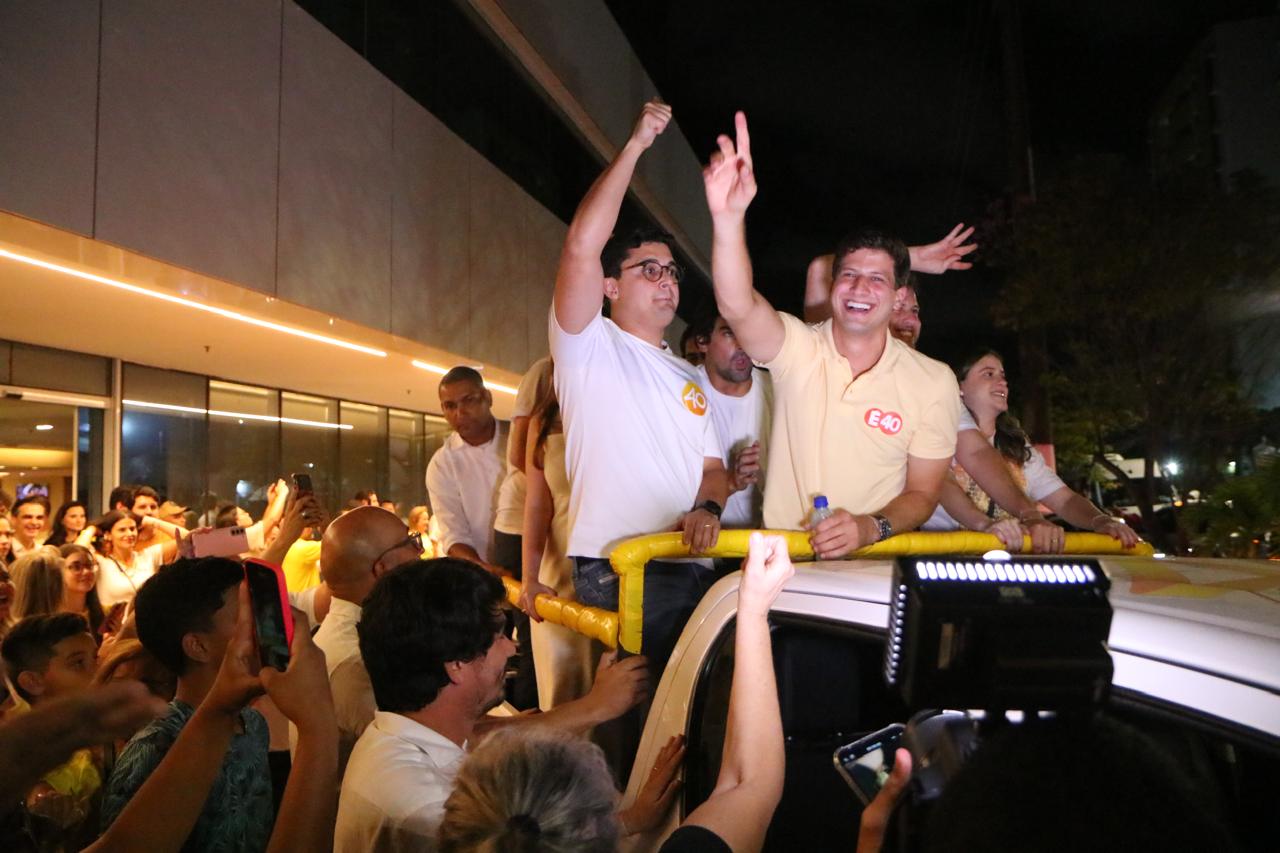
(859, 416)
(640, 446)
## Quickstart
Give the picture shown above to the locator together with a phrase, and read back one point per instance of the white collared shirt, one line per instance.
(353, 701)
(393, 793)
(463, 481)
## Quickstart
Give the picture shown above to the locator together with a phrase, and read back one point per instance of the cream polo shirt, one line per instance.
(353, 702)
(463, 482)
(393, 792)
(636, 431)
(849, 439)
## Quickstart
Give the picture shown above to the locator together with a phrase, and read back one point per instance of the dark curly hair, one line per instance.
(868, 238)
(421, 616)
(181, 598)
(615, 251)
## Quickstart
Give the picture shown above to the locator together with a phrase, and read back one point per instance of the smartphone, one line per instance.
(302, 484)
(219, 542)
(272, 616)
(867, 762)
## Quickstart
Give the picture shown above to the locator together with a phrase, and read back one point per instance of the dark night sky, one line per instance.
(892, 112)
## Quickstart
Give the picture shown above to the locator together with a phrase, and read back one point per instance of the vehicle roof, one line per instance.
(1215, 616)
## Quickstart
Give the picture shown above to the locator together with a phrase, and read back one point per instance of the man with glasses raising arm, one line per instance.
(640, 447)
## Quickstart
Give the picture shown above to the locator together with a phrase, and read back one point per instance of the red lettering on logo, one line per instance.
(889, 423)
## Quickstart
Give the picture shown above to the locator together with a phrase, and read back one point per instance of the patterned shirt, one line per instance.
(238, 814)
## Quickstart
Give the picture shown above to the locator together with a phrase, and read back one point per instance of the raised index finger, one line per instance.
(744, 136)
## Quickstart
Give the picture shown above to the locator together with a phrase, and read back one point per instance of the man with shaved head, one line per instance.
(358, 548)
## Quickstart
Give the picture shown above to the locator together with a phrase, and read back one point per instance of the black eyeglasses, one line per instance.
(413, 539)
(652, 270)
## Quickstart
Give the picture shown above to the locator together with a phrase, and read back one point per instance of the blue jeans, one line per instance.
(671, 592)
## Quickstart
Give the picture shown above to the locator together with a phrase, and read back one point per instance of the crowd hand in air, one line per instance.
(729, 178)
(1009, 531)
(946, 254)
(841, 533)
(745, 467)
(653, 120)
(655, 798)
(530, 589)
(765, 571)
(700, 530)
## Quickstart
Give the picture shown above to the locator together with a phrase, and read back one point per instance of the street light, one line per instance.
(1172, 467)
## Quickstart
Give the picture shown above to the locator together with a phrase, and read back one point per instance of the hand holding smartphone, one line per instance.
(272, 616)
(867, 762)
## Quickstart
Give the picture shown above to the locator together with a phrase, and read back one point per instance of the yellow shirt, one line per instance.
(302, 565)
(849, 439)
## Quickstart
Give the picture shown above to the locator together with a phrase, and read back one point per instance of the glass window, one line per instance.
(436, 431)
(163, 435)
(89, 458)
(363, 449)
(244, 443)
(309, 447)
(406, 459)
(60, 370)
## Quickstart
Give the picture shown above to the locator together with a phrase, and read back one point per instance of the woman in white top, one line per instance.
(963, 503)
(564, 659)
(121, 567)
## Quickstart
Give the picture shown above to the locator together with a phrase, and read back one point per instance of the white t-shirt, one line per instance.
(393, 792)
(118, 583)
(1041, 481)
(636, 434)
(510, 515)
(463, 481)
(739, 422)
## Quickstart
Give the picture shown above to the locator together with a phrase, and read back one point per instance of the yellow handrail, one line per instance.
(625, 627)
(591, 622)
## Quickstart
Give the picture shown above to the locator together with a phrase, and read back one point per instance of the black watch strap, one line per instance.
(711, 507)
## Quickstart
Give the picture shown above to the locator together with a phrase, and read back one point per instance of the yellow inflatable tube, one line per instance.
(629, 559)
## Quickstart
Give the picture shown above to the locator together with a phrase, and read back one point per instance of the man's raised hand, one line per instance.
(730, 177)
(653, 119)
(946, 254)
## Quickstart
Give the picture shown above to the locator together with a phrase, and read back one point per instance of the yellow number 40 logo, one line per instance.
(693, 398)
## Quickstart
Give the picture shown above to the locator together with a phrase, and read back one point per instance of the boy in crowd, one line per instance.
(49, 657)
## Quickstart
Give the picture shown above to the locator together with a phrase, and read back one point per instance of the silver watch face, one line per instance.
(886, 528)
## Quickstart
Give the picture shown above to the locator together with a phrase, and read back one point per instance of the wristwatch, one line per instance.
(883, 528)
(711, 507)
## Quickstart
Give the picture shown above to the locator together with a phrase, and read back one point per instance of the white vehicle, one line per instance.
(1195, 645)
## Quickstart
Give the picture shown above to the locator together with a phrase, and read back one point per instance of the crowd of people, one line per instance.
(417, 709)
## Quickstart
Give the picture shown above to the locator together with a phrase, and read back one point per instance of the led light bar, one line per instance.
(1026, 633)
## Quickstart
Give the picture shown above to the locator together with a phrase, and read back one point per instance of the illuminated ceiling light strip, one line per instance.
(435, 368)
(189, 303)
(220, 413)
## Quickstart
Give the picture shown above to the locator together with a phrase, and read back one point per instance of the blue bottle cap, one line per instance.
(820, 502)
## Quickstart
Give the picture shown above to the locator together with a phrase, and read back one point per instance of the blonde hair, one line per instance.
(532, 789)
(37, 583)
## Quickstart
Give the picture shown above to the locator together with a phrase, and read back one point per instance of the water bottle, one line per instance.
(820, 511)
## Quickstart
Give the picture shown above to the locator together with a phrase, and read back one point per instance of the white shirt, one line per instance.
(1041, 479)
(510, 515)
(463, 481)
(393, 793)
(739, 422)
(118, 583)
(353, 701)
(636, 434)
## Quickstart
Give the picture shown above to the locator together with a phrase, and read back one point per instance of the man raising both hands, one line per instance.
(860, 417)
(640, 447)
